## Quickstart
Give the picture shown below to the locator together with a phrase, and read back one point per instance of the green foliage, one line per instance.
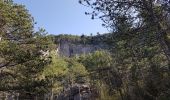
(83, 39)
(98, 59)
(98, 65)
(58, 66)
(21, 59)
(62, 73)
(77, 73)
(136, 66)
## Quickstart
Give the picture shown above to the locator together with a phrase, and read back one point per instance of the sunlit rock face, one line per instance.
(69, 49)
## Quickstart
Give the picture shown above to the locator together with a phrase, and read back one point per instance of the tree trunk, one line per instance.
(52, 95)
(79, 93)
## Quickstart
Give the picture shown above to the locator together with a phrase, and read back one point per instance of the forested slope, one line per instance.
(135, 65)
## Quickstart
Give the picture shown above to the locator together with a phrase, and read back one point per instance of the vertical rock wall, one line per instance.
(69, 49)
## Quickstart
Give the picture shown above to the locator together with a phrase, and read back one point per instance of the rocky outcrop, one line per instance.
(76, 92)
(69, 49)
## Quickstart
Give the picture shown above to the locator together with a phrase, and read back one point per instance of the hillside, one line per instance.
(132, 62)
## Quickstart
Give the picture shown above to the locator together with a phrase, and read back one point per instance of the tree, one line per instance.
(99, 66)
(139, 45)
(21, 58)
(145, 15)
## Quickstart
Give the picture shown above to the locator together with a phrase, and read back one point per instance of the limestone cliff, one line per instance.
(69, 46)
(69, 49)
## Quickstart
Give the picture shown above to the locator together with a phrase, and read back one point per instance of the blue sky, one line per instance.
(62, 16)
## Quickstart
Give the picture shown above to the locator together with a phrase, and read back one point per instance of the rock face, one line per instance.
(76, 92)
(69, 49)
